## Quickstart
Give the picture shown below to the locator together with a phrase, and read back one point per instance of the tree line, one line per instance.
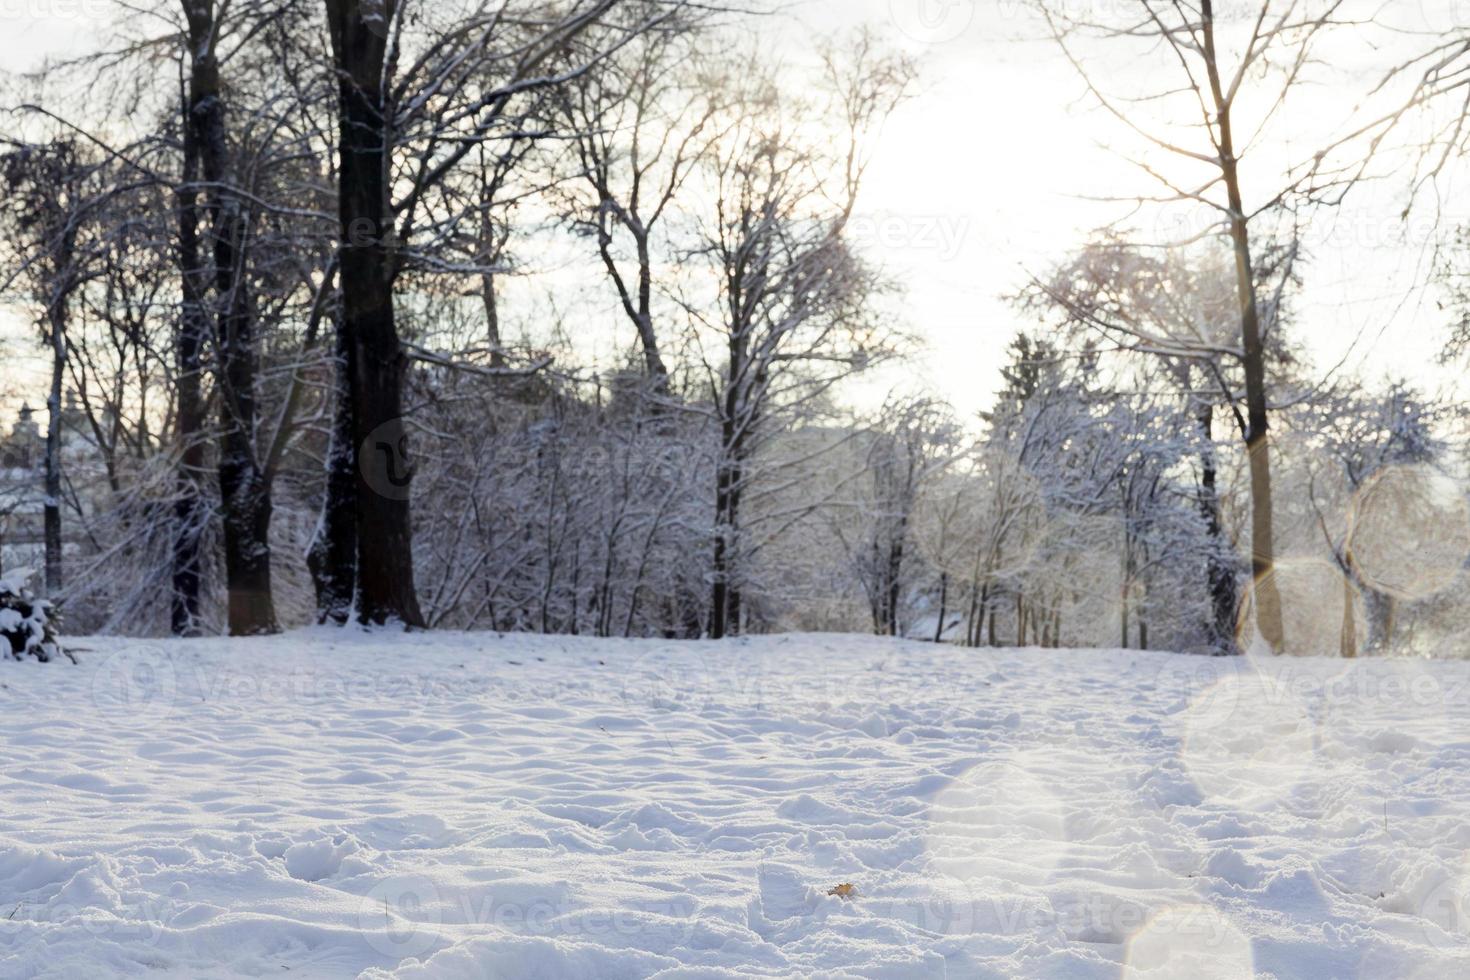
(279, 254)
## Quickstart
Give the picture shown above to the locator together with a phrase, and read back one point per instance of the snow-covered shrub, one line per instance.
(27, 624)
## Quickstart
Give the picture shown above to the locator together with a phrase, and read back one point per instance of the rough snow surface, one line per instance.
(334, 805)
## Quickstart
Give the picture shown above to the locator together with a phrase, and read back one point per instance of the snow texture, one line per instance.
(333, 804)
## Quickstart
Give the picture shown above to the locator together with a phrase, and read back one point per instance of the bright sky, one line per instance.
(981, 179)
(1003, 144)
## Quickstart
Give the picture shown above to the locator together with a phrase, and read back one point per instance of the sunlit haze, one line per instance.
(996, 168)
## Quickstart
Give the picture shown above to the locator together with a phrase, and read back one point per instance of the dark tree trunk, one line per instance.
(56, 315)
(658, 372)
(491, 247)
(188, 353)
(1219, 564)
(489, 297)
(374, 358)
(639, 308)
(332, 558)
(194, 275)
(724, 597)
(894, 583)
(244, 490)
(943, 606)
(719, 610)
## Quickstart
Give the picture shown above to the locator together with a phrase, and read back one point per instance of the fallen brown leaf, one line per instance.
(843, 891)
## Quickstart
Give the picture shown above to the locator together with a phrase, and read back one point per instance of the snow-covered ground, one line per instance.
(329, 805)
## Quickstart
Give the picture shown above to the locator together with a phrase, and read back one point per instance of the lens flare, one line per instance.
(1410, 532)
(1248, 741)
(1194, 942)
(1001, 819)
(1322, 612)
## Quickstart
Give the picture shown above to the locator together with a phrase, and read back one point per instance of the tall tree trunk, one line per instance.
(658, 372)
(943, 606)
(375, 360)
(719, 613)
(490, 252)
(489, 297)
(991, 637)
(188, 572)
(244, 491)
(56, 317)
(1349, 642)
(1267, 594)
(639, 308)
(1219, 565)
(894, 590)
(188, 354)
(1390, 621)
(725, 598)
(332, 558)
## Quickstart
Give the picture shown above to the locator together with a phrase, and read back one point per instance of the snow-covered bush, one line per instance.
(27, 624)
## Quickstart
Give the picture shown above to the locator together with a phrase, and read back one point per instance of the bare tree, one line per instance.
(219, 305)
(417, 96)
(639, 126)
(794, 314)
(50, 202)
(1215, 65)
(1176, 308)
(912, 444)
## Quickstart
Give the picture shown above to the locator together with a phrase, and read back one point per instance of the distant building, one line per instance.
(24, 448)
(22, 487)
